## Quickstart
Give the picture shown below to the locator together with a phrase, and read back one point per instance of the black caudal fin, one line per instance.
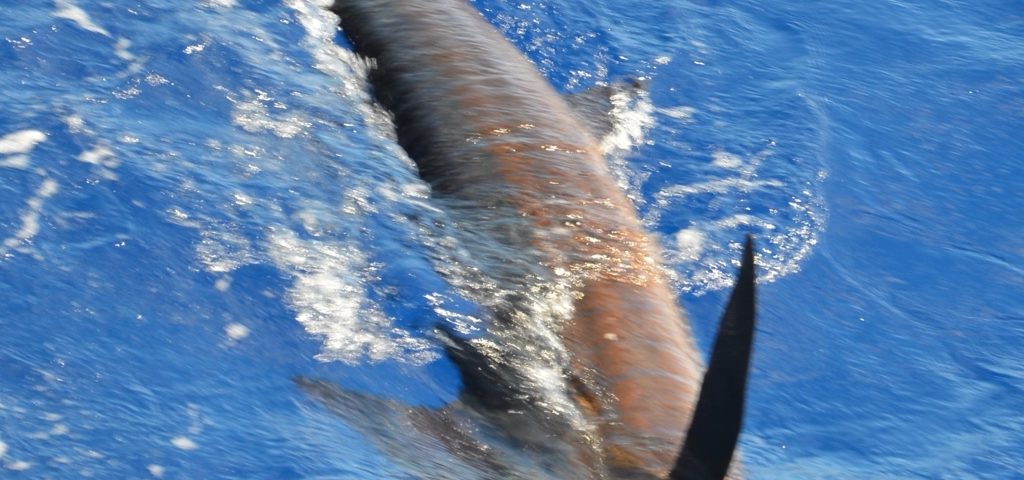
(709, 444)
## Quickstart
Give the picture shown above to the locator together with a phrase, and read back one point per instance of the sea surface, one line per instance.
(199, 201)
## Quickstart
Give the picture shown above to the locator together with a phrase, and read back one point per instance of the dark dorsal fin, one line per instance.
(594, 106)
(710, 442)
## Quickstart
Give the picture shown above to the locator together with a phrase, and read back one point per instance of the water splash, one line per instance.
(786, 221)
(330, 296)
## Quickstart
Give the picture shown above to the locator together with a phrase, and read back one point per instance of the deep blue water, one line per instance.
(199, 202)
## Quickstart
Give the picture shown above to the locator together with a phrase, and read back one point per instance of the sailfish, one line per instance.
(520, 165)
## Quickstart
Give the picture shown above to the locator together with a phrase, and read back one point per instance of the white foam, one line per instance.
(723, 185)
(530, 343)
(242, 200)
(220, 3)
(30, 217)
(632, 115)
(103, 158)
(462, 323)
(683, 113)
(93, 454)
(22, 141)
(19, 162)
(321, 26)
(127, 93)
(723, 159)
(70, 11)
(19, 42)
(121, 49)
(330, 297)
(100, 155)
(704, 254)
(220, 250)
(3, 449)
(253, 116)
(75, 123)
(690, 243)
(180, 217)
(339, 63)
(195, 48)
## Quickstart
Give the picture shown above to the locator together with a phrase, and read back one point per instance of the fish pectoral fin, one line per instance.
(365, 412)
(486, 382)
(715, 428)
(400, 430)
(596, 106)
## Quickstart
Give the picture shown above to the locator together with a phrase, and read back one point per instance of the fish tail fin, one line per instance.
(715, 428)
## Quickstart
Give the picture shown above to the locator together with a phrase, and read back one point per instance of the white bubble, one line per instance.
(184, 443)
(690, 243)
(726, 160)
(121, 49)
(15, 161)
(30, 217)
(18, 466)
(189, 50)
(679, 113)
(75, 123)
(70, 11)
(21, 142)
(222, 284)
(220, 3)
(236, 331)
(99, 155)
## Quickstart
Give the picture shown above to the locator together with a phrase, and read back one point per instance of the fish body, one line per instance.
(512, 160)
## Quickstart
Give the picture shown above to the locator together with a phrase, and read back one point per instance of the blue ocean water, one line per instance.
(201, 202)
